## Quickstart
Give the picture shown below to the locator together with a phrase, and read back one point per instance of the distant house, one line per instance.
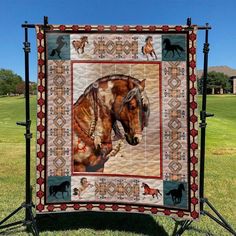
(230, 72)
(233, 79)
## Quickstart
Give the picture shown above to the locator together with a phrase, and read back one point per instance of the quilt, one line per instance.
(117, 120)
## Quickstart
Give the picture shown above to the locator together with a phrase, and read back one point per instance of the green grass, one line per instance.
(220, 179)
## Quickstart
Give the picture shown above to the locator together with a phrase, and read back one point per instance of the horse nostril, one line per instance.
(136, 141)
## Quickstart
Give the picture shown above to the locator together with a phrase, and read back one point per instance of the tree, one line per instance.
(4, 87)
(8, 81)
(20, 88)
(216, 82)
(33, 88)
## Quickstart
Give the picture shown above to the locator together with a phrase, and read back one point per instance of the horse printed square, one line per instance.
(152, 192)
(175, 194)
(59, 189)
(82, 188)
(58, 46)
(174, 47)
(150, 47)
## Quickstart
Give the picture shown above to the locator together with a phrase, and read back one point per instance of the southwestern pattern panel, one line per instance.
(59, 112)
(175, 130)
(117, 120)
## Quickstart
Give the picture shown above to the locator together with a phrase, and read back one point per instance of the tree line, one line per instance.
(217, 83)
(12, 84)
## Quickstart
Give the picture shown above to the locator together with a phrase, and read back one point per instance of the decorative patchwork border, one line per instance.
(182, 146)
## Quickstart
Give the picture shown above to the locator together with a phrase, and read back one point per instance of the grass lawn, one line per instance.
(220, 179)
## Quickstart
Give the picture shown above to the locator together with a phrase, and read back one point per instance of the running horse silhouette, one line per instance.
(176, 194)
(80, 44)
(60, 42)
(168, 47)
(148, 48)
(151, 191)
(63, 187)
(95, 114)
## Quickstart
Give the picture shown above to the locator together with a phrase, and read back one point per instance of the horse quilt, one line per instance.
(117, 120)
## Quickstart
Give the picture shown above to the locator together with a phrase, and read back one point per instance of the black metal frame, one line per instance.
(180, 226)
(203, 115)
(29, 219)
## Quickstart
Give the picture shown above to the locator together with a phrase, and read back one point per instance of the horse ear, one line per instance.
(142, 84)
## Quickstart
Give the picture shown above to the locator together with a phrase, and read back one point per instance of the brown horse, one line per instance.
(108, 100)
(80, 44)
(150, 191)
(148, 49)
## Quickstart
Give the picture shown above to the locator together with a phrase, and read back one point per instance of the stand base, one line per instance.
(220, 220)
(29, 220)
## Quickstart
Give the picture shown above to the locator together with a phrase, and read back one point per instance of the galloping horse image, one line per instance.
(95, 114)
(60, 42)
(169, 47)
(176, 194)
(80, 44)
(148, 49)
(151, 191)
(63, 187)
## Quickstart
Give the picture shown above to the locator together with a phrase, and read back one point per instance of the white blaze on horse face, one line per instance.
(106, 94)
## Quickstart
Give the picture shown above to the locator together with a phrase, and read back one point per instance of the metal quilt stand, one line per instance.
(29, 219)
(181, 226)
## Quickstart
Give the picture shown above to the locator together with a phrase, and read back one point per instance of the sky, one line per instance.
(218, 13)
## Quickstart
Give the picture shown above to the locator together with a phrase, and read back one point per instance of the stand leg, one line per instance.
(29, 222)
(10, 215)
(183, 226)
(221, 221)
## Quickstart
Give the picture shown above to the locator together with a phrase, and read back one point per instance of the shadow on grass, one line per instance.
(134, 223)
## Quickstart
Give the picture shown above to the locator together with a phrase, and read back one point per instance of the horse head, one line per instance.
(148, 39)
(166, 41)
(181, 187)
(144, 185)
(133, 110)
(67, 184)
(84, 39)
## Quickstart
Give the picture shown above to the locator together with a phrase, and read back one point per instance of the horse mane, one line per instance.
(106, 78)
